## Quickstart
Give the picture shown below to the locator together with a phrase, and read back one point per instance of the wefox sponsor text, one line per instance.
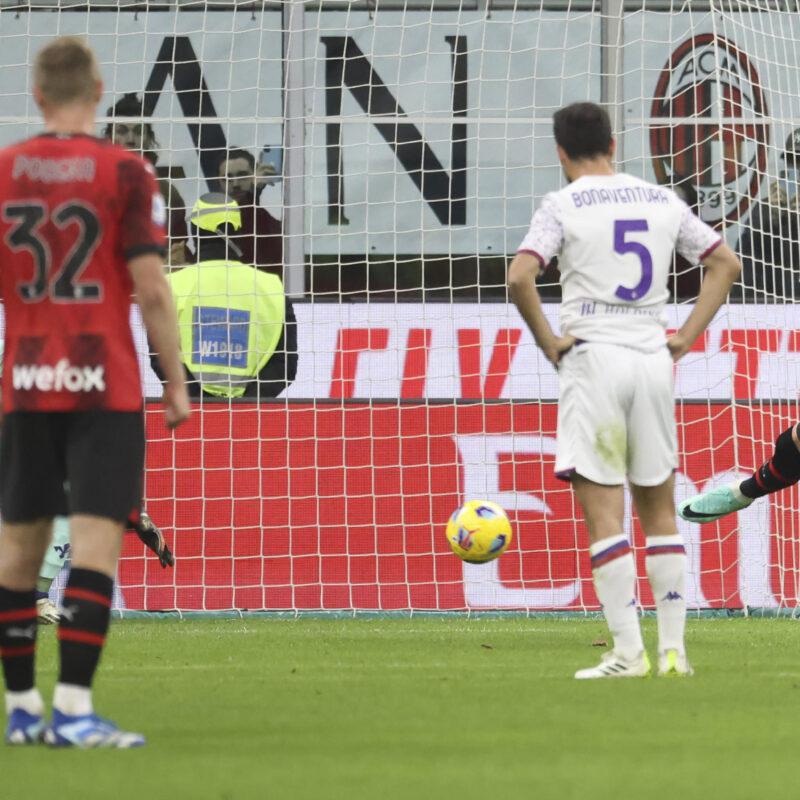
(62, 377)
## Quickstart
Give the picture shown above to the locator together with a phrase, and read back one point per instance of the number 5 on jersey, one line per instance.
(622, 227)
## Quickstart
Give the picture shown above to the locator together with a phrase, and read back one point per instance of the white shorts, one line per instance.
(616, 415)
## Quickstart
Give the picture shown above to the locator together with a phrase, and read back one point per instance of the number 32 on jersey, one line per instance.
(63, 285)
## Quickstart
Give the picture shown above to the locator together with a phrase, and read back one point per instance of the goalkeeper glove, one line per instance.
(152, 536)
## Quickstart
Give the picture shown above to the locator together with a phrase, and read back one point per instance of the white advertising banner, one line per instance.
(430, 131)
(485, 350)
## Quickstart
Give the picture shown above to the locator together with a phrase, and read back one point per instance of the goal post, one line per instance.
(405, 146)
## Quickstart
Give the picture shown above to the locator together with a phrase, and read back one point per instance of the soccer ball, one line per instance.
(479, 531)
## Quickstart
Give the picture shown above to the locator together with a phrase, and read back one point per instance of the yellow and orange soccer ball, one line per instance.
(479, 531)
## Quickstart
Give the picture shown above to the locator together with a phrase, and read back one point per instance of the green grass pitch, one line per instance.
(426, 708)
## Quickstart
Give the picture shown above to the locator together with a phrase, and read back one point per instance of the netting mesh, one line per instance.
(399, 151)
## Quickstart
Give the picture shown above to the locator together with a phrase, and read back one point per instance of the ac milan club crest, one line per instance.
(715, 132)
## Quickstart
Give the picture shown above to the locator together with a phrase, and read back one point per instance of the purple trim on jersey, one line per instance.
(610, 554)
(665, 549)
(711, 249)
(536, 255)
(566, 474)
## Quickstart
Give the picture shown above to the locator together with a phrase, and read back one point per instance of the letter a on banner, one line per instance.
(177, 59)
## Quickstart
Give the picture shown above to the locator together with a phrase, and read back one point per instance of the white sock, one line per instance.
(30, 700)
(76, 701)
(614, 572)
(666, 568)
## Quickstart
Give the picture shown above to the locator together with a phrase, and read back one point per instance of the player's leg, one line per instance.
(105, 459)
(779, 472)
(653, 460)
(29, 447)
(592, 448)
(85, 612)
(54, 560)
(665, 562)
(22, 548)
(614, 574)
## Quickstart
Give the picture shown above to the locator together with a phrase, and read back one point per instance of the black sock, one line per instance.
(85, 614)
(782, 470)
(18, 624)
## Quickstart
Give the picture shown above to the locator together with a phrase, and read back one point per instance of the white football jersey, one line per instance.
(614, 236)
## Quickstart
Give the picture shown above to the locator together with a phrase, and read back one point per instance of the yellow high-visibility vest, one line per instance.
(230, 319)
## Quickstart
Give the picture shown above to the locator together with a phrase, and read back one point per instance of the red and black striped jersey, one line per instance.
(73, 211)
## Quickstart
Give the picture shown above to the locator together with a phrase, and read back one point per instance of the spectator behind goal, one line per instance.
(770, 244)
(237, 328)
(129, 129)
(260, 237)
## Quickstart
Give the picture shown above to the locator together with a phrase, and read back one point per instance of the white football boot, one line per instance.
(614, 666)
(673, 664)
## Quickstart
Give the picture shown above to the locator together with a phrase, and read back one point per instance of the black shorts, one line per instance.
(81, 462)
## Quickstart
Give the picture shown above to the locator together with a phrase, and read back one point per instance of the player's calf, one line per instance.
(17, 648)
(614, 574)
(85, 614)
(665, 562)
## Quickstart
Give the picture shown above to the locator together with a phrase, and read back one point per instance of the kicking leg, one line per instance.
(780, 472)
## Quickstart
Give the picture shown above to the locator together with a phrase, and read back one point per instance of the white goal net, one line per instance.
(400, 148)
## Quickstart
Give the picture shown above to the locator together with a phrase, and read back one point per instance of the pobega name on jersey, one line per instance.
(63, 377)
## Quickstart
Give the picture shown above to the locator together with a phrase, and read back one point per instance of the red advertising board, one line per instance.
(343, 506)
